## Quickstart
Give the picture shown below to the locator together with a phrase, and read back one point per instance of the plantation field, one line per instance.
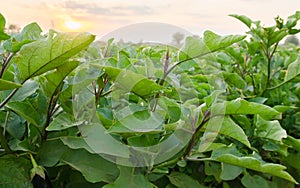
(217, 111)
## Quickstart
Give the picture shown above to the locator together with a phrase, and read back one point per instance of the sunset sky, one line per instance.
(103, 16)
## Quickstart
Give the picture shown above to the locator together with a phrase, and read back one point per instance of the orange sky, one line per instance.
(101, 17)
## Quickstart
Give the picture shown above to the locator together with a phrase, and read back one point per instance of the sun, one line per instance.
(73, 25)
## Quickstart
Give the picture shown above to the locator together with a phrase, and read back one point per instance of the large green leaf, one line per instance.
(138, 122)
(76, 143)
(8, 85)
(46, 54)
(251, 162)
(14, 125)
(50, 152)
(293, 71)
(241, 106)
(269, 129)
(231, 129)
(62, 121)
(127, 178)
(247, 21)
(92, 166)
(53, 81)
(295, 143)
(14, 172)
(3, 36)
(182, 180)
(292, 20)
(26, 110)
(30, 33)
(130, 81)
(230, 172)
(193, 47)
(28, 88)
(234, 80)
(256, 181)
(216, 42)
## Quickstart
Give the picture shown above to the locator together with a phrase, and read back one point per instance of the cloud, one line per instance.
(89, 8)
(140, 10)
(96, 9)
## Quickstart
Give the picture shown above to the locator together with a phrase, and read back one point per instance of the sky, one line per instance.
(101, 17)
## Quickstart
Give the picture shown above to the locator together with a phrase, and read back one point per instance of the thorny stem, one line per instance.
(8, 97)
(3, 141)
(99, 93)
(5, 63)
(50, 109)
(188, 59)
(162, 81)
(269, 58)
(195, 135)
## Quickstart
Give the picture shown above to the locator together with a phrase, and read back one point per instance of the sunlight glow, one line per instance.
(73, 25)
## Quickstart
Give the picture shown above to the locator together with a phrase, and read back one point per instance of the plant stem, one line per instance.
(269, 58)
(282, 83)
(8, 97)
(162, 81)
(3, 142)
(194, 138)
(5, 63)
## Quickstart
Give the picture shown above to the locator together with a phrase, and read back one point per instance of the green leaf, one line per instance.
(62, 121)
(230, 172)
(256, 181)
(241, 106)
(128, 178)
(53, 82)
(295, 143)
(292, 160)
(213, 170)
(123, 60)
(127, 80)
(247, 21)
(292, 20)
(231, 129)
(26, 110)
(269, 129)
(14, 172)
(8, 85)
(216, 42)
(171, 107)
(193, 47)
(138, 122)
(234, 80)
(50, 152)
(92, 166)
(293, 71)
(3, 36)
(43, 55)
(14, 124)
(27, 89)
(182, 180)
(276, 36)
(30, 33)
(253, 163)
(76, 143)
(211, 42)
(144, 140)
